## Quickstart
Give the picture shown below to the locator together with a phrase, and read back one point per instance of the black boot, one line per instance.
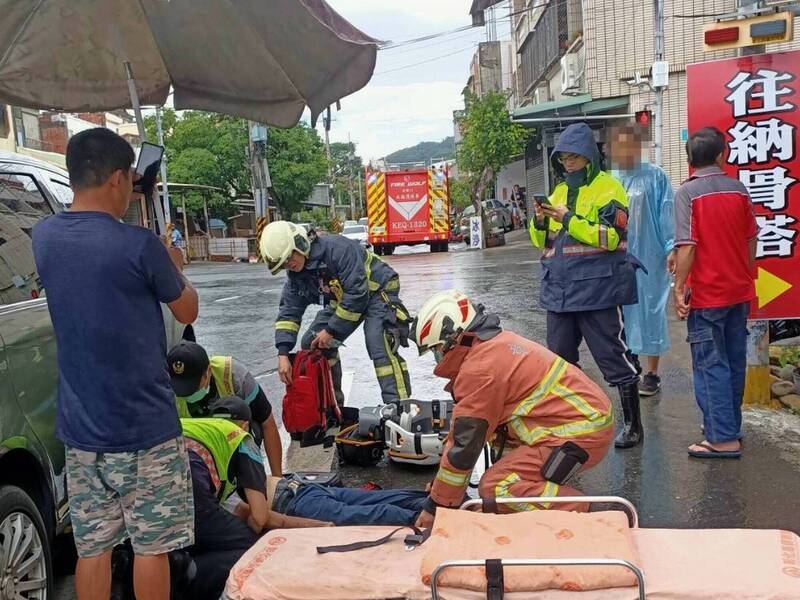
(632, 433)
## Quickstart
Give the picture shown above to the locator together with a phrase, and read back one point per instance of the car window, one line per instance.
(470, 210)
(22, 205)
(355, 229)
(62, 192)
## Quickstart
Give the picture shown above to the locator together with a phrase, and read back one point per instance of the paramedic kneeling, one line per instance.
(224, 458)
(198, 381)
(546, 420)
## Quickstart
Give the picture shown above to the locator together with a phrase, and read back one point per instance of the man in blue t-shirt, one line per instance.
(127, 467)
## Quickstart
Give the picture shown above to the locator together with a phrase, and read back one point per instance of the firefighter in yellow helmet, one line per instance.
(545, 418)
(353, 286)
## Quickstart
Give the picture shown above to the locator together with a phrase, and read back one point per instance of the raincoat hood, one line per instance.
(576, 139)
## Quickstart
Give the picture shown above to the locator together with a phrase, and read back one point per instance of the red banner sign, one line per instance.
(755, 101)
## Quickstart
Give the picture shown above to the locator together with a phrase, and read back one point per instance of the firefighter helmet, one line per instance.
(279, 240)
(442, 319)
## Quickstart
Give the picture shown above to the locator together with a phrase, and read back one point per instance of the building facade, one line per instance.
(592, 58)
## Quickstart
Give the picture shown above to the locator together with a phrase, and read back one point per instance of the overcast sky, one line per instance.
(415, 104)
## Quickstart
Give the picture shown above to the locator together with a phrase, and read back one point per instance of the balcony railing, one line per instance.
(559, 25)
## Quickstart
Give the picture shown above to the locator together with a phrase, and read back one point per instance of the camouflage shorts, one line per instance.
(144, 495)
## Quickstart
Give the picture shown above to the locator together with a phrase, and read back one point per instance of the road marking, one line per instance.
(226, 299)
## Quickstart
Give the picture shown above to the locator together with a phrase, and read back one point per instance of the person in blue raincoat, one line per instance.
(650, 239)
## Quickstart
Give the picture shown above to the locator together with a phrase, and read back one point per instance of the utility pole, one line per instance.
(326, 121)
(259, 171)
(351, 156)
(164, 186)
(757, 383)
(659, 79)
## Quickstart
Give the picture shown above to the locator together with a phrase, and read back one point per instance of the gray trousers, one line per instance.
(384, 331)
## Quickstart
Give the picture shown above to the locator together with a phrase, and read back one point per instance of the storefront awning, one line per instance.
(571, 108)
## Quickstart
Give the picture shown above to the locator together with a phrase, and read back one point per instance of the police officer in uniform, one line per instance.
(199, 380)
(354, 287)
(587, 275)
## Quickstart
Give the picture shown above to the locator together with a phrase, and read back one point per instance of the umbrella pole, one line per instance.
(158, 207)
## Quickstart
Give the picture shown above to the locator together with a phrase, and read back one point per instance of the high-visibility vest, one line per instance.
(222, 373)
(215, 441)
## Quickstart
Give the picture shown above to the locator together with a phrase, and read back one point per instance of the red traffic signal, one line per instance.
(643, 118)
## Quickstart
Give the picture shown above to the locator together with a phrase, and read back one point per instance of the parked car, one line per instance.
(363, 221)
(350, 223)
(358, 233)
(496, 212)
(33, 501)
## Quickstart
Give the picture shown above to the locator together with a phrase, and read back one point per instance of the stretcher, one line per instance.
(672, 564)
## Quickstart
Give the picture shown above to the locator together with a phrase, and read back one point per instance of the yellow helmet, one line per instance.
(442, 318)
(278, 240)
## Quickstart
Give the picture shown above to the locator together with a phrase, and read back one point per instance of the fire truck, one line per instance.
(407, 207)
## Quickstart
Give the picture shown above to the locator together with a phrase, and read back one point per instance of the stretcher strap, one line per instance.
(413, 540)
(494, 579)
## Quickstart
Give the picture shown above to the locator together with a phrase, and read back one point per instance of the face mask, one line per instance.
(198, 395)
(438, 355)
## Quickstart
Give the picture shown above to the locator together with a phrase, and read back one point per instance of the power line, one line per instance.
(424, 38)
(422, 62)
(437, 43)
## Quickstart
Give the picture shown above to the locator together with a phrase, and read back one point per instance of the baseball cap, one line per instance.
(187, 363)
(232, 408)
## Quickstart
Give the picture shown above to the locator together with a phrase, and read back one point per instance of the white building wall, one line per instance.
(513, 173)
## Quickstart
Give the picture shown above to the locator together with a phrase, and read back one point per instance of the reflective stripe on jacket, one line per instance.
(221, 438)
(513, 382)
(585, 265)
(338, 272)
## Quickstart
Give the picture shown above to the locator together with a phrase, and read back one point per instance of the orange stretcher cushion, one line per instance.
(461, 534)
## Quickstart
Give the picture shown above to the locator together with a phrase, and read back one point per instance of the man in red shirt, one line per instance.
(715, 236)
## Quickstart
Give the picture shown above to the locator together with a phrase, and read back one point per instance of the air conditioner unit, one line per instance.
(541, 94)
(571, 73)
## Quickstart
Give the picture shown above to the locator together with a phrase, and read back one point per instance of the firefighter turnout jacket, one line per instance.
(339, 273)
(585, 265)
(517, 394)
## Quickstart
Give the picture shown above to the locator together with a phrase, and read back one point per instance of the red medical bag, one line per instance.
(309, 406)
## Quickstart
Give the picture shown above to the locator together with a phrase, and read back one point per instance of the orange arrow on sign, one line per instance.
(769, 287)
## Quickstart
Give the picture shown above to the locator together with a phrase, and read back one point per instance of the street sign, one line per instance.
(752, 31)
(475, 233)
(755, 101)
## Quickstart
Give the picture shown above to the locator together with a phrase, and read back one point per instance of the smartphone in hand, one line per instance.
(147, 167)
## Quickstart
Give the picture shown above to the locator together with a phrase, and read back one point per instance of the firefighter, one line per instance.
(546, 420)
(587, 275)
(353, 286)
(198, 381)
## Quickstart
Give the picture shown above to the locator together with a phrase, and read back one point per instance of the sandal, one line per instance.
(710, 452)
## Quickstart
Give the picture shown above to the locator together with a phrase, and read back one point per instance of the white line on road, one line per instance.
(226, 299)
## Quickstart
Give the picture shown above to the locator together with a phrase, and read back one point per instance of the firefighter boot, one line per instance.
(632, 433)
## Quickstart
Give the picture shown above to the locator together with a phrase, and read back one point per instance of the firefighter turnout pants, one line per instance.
(385, 328)
(604, 333)
(518, 474)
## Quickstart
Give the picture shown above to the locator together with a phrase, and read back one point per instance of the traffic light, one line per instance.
(752, 31)
(643, 118)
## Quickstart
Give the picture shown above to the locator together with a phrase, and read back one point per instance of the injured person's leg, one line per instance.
(347, 506)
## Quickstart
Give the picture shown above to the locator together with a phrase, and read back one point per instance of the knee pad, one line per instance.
(564, 462)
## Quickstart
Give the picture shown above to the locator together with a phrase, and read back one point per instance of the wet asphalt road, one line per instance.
(239, 304)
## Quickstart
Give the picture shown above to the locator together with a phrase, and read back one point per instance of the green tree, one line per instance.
(205, 149)
(490, 141)
(297, 162)
(460, 196)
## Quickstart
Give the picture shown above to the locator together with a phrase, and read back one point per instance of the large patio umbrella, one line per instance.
(263, 60)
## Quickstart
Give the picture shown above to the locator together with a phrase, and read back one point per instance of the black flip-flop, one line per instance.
(712, 453)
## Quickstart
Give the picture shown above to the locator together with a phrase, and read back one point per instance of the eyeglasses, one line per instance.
(568, 157)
